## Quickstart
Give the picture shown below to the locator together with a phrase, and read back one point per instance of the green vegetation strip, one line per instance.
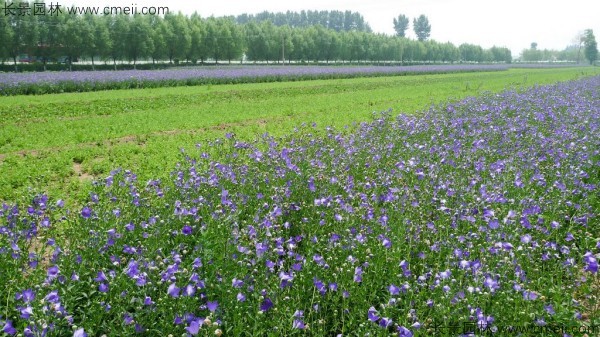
(59, 143)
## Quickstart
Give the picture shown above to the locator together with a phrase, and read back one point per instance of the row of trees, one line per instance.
(585, 46)
(193, 38)
(336, 20)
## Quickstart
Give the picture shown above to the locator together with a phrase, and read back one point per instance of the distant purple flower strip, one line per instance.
(8, 80)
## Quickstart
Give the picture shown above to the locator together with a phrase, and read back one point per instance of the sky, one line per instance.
(514, 24)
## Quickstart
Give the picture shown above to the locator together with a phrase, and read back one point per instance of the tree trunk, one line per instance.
(15, 60)
(93, 66)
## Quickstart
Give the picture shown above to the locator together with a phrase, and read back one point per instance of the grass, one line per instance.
(60, 142)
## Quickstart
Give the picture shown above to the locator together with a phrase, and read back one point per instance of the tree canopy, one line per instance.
(401, 25)
(335, 20)
(590, 46)
(422, 27)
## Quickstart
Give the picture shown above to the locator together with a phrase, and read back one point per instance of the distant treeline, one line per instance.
(176, 37)
(340, 21)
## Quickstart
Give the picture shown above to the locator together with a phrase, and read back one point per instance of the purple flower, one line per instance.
(261, 249)
(189, 290)
(266, 305)
(173, 291)
(212, 305)
(385, 322)
(139, 328)
(237, 283)
(404, 332)
(298, 324)
(494, 224)
(53, 272)
(103, 288)
(127, 318)
(529, 295)
(333, 286)
(372, 315)
(358, 274)
(28, 295)
(101, 277)
(26, 312)
(241, 297)
(86, 212)
(80, 333)
(591, 263)
(491, 284)
(28, 332)
(387, 243)
(8, 328)
(186, 230)
(194, 326)
(197, 263)
(52, 297)
(148, 301)
(394, 290)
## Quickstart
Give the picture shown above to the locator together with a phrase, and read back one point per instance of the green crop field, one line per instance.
(58, 143)
(305, 208)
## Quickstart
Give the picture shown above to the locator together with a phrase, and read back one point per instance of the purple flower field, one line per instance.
(18, 83)
(474, 218)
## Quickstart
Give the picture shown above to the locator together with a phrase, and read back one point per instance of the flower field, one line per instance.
(473, 218)
(80, 81)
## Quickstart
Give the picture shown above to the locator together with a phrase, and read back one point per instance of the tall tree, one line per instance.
(47, 48)
(578, 41)
(71, 38)
(96, 37)
(196, 51)
(140, 43)
(255, 42)
(287, 46)
(5, 34)
(160, 29)
(401, 25)
(590, 45)
(422, 27)
(118, 28)
(178, 38)
(22, 32)
(215, 35)
(298, 42)
(231, 39)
